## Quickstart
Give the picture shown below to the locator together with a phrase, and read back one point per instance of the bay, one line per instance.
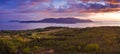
(27, 26)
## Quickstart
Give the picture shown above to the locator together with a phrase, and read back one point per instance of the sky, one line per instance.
(97, 10)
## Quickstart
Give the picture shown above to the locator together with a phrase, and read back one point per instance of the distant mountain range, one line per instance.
(68, 20)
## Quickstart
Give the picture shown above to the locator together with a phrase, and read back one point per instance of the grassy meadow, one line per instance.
(61, 40)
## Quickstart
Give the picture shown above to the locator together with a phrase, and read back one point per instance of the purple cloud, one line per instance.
(57, 5)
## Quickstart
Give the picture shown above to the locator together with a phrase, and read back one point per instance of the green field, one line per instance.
(61, 40)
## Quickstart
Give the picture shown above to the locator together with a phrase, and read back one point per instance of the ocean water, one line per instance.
(26, 26)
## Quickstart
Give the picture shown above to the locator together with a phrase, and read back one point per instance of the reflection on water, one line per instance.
(24, 26)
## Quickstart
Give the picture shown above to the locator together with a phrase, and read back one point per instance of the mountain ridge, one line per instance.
(68, 20)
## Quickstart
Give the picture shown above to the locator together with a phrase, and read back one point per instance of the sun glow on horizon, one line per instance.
(113, 16)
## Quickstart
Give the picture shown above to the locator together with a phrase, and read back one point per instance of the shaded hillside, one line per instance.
(59, 40)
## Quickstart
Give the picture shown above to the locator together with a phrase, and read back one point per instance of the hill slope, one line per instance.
(59, 40)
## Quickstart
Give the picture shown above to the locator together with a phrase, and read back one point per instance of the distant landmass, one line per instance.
(57, 20)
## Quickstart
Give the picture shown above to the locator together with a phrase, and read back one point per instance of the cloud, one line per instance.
(38, 9)
(59, 6)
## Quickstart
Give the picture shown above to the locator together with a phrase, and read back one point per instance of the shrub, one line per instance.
(91, 48)
(26, 50)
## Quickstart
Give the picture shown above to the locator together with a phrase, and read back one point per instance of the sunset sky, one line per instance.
(98, 10)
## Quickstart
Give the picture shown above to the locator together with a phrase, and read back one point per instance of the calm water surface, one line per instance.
(25, 26)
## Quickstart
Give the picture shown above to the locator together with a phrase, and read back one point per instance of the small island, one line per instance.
(68, 20)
